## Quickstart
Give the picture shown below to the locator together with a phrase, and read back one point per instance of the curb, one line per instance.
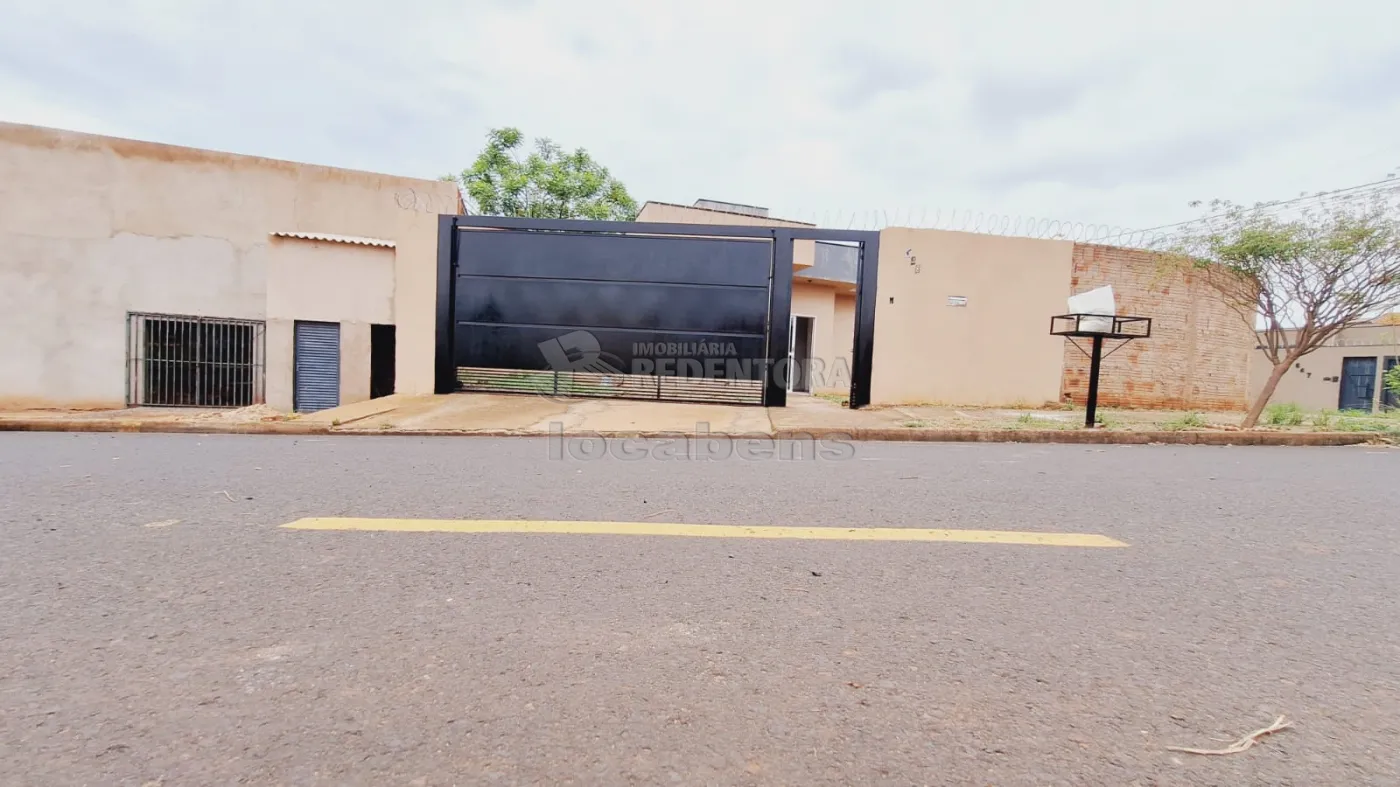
(1090, 437)
(160, 427)
(1065, 436)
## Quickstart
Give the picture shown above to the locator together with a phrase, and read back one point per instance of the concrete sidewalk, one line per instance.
(805, 416)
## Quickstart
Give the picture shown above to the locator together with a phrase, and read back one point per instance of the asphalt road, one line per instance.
(158, 627)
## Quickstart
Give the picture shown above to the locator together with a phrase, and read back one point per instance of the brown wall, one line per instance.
(1198, 355)
(996, 350)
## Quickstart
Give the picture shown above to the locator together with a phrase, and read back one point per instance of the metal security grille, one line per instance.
(317, 366)
(611, 386)
(181, 361)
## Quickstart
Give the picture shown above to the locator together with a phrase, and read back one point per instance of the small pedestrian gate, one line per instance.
(628, 309)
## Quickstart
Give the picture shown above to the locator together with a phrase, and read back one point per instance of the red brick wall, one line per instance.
(1198, 355)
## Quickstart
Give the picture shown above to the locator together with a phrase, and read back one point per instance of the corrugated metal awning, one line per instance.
(387, 244)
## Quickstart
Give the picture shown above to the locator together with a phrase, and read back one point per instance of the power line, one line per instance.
(1271, 207)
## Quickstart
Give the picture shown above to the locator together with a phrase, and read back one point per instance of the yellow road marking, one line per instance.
(705, 531)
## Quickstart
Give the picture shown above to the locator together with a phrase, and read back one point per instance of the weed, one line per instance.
(1187, 421)
(335, 422)
(1106, 420)
(1322, 421)
(1283, 415)
(1027, 418)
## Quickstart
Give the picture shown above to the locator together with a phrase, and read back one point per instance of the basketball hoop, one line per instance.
(1098, 327)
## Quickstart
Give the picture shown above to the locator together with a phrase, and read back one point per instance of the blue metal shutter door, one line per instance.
(316, 372)
(1358, 384)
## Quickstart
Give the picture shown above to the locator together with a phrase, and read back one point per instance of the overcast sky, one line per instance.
(1111, 112)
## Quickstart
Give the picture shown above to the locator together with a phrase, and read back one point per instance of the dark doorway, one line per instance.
(381, 360)
(1389, 399)
(800, 355)
(1358, 384)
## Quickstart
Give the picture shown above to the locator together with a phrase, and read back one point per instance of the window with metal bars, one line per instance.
(181, 361)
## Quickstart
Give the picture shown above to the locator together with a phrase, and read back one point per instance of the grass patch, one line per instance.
(916, 424)
(1323, 421)
(1106, 420)
(834, 398)
(1283, 415)
(1186, 421)
(1379, 426)
(1031, 421)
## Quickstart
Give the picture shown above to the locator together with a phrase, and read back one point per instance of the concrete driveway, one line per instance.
(479, 412)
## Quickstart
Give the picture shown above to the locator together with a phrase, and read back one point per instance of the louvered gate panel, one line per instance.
(317, 366)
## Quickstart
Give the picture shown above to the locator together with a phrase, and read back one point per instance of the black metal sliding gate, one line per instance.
(627, 309)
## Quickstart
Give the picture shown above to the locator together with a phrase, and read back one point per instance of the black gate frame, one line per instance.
(450, 228)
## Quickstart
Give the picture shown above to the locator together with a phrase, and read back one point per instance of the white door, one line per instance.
(792, 350)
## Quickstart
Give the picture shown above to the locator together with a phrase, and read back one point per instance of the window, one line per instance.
(177, 361)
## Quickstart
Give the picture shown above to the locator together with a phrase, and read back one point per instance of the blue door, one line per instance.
(316, 366)
(1358, 384)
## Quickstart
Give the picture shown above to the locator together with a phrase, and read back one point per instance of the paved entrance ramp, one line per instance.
(470, 413)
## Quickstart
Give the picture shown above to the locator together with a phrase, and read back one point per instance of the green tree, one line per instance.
(547, 183)
(1299, 281)
(1392, 380)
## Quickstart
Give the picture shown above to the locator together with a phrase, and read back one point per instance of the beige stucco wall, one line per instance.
(996, 350)
(94, 227)
(843, 331)
(803, 251)
(1313, 383)
(354, 361)
(279, 344)
(332, 282)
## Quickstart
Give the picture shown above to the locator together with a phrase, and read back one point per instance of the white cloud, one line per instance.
(1089, 110)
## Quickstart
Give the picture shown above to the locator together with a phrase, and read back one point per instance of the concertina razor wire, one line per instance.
(1081, 232)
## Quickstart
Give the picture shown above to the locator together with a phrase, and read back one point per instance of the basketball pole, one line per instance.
(1092, 405)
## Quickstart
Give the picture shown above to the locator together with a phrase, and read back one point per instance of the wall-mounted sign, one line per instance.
(957, 300)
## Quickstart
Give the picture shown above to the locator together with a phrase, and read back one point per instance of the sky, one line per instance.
(843, 113)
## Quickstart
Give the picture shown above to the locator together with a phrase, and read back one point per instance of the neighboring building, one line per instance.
(1344, 374)
(140, 273)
